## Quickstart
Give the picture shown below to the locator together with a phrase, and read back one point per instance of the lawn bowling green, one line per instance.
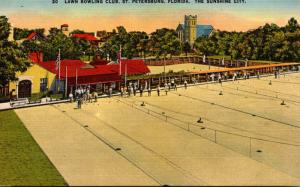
(189, 67)
(248, 136)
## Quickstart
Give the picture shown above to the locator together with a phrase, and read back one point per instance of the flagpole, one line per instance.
(66, 86)
(76, 79)
(59, 62)
(119, 58)
(125, 74)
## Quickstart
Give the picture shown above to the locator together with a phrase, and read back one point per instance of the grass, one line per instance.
(22, 162)
(220, 57)
(57, 96)
(35, 97)
(265, 61)
(39, 96)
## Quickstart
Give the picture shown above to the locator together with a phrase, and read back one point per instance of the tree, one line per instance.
(29, 46)
(56, 41)
(268, 42)
(77, 31)
(24, 33)
(186, 48)
(20, 33)
(4, 28)
(165, 42)
(134, 44)
(292, 25)
(12, 59)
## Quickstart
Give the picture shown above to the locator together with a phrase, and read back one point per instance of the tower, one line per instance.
(190, 32)
(65, 29)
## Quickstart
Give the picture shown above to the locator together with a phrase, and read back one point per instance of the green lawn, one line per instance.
(39, 96)
(220, 57)
(265, 61)
(22, 162)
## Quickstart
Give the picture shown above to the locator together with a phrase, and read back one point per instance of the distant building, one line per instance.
(190, 30)
(65, 29)
(35, 37)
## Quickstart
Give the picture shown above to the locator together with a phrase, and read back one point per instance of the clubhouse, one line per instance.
(99, 75)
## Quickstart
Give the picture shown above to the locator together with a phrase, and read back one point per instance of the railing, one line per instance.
(199, 60)
(247, 145)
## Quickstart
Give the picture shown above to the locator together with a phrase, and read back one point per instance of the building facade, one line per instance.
(190, 30)
(33, 81)
(65, 29)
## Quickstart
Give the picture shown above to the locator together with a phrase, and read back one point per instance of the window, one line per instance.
(43, 84)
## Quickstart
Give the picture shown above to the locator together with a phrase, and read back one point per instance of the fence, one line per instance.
(264, 150)
(199, 60)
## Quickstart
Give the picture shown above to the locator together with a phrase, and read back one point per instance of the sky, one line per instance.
(148, 17)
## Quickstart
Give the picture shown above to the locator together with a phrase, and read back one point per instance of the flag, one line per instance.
(58, 61)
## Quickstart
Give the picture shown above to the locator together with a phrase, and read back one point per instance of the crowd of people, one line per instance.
(83, 94)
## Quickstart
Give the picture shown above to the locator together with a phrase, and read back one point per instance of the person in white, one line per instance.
(166, 88)
(185, 84)
(234, 77)
(212, 76)
(71, 97)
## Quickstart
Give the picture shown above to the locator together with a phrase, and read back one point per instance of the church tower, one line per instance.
(190, 32)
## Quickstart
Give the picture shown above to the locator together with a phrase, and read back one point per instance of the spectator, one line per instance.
(149, 91)
(110, 91)
(158, 90)
(166, 88)
(71, 97)
(141, 91)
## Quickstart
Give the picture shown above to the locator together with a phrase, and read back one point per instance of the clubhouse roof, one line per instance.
(92, 73)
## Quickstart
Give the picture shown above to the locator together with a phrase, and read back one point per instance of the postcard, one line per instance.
(149, 93)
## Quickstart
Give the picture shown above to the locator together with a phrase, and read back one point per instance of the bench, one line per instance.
(19, 102)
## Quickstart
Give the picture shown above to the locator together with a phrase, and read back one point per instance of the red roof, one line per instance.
(64, 25)
(31, 35)
(90, 74)
(134, 67)
(34, 57)
(72, 65)
(88, 37)
(99, 62)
